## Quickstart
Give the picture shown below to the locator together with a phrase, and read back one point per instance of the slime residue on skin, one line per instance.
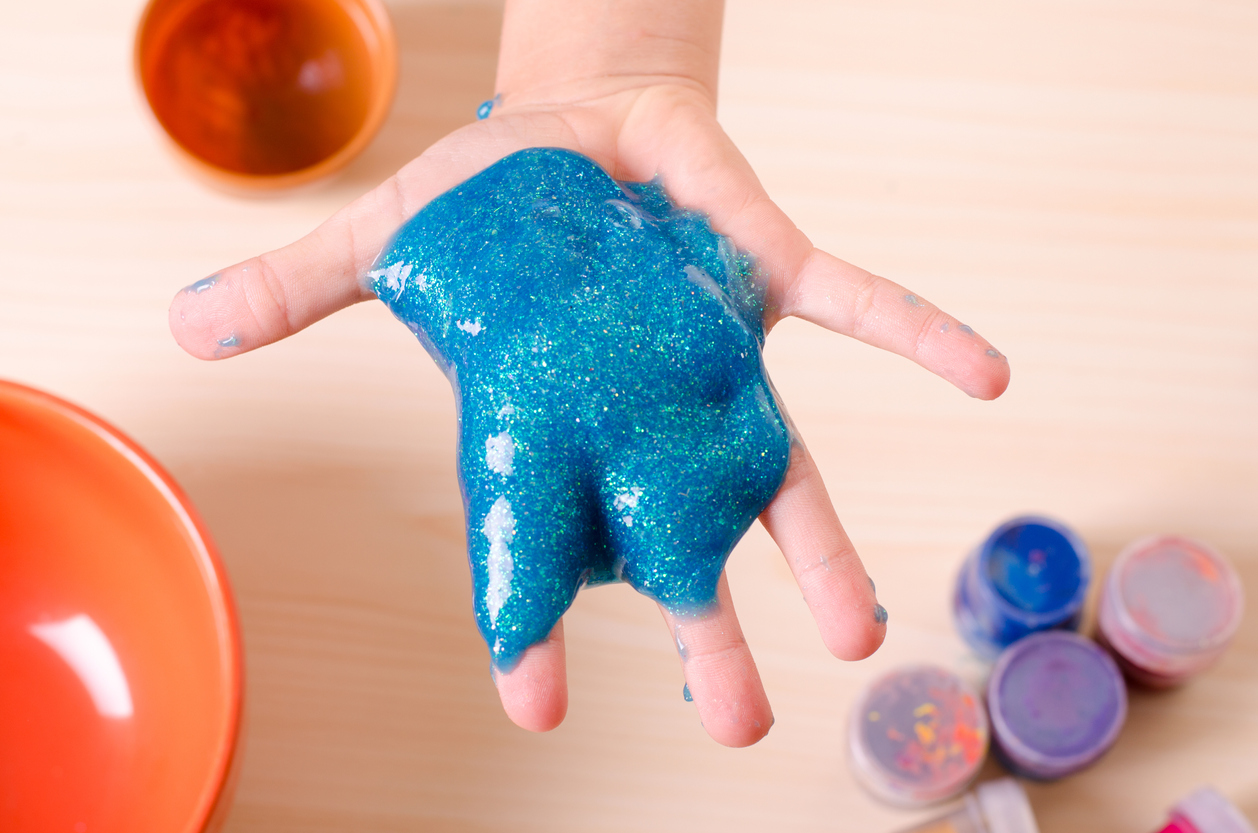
(202, 285)
(487, 107)
(604, 346)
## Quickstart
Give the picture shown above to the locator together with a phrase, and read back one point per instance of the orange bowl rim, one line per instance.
(213, 573)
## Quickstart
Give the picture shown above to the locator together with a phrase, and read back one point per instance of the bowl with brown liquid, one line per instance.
(267, 94)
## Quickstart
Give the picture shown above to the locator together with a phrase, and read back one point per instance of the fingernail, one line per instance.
(880, 614)
(872, 586)
(685, 693)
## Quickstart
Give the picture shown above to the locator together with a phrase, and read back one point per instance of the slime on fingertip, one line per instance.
(202, 285)
(487, 107)
(604, 346)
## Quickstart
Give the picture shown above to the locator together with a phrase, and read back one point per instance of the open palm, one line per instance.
(637, 129)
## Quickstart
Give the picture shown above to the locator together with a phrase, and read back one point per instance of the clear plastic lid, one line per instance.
(1057, 703)
(1209, 812)
(995, 807)
(917, 735)
(1030, 574)
(1005, 807)
(1170, 606)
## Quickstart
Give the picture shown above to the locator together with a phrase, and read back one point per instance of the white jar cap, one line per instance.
(1210, 812)
(1006, 809)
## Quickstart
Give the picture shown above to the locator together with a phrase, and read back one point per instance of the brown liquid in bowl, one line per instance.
(259, 87)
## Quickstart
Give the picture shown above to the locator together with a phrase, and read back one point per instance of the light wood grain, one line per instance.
(1077, 180)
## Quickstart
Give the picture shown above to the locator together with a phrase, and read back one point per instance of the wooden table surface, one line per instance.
(1077, 180)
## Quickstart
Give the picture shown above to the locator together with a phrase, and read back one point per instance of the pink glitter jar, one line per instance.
(1169, 608)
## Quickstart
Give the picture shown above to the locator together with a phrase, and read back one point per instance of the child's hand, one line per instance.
(642, 105)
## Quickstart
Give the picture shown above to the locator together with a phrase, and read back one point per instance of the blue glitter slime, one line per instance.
(615, 418)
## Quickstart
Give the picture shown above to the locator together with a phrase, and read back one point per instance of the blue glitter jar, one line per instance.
(1031, 574)
(615, 419)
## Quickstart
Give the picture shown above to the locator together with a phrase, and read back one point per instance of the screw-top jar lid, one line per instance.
(1057, 702)
(1210, 812)
(1171, 605)
(1005, 807)
(917, 735)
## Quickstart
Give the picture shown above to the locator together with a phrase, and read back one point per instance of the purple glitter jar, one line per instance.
(1057, 703)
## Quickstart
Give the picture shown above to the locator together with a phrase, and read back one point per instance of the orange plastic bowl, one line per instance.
(120, 701)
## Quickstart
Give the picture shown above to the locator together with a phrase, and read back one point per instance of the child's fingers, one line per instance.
(269, 297)
(720, 673)
(534, 693)
(806, 282)
(836, 589)
(848, 300)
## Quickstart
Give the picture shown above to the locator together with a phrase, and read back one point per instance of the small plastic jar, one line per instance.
(1031, 574)
(917, 735)
(1169, 608)
(1057, 703)
(999, 806)
(1206, 811)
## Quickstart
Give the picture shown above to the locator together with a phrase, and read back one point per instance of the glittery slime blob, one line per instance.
(917, 735)
(604, 346)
